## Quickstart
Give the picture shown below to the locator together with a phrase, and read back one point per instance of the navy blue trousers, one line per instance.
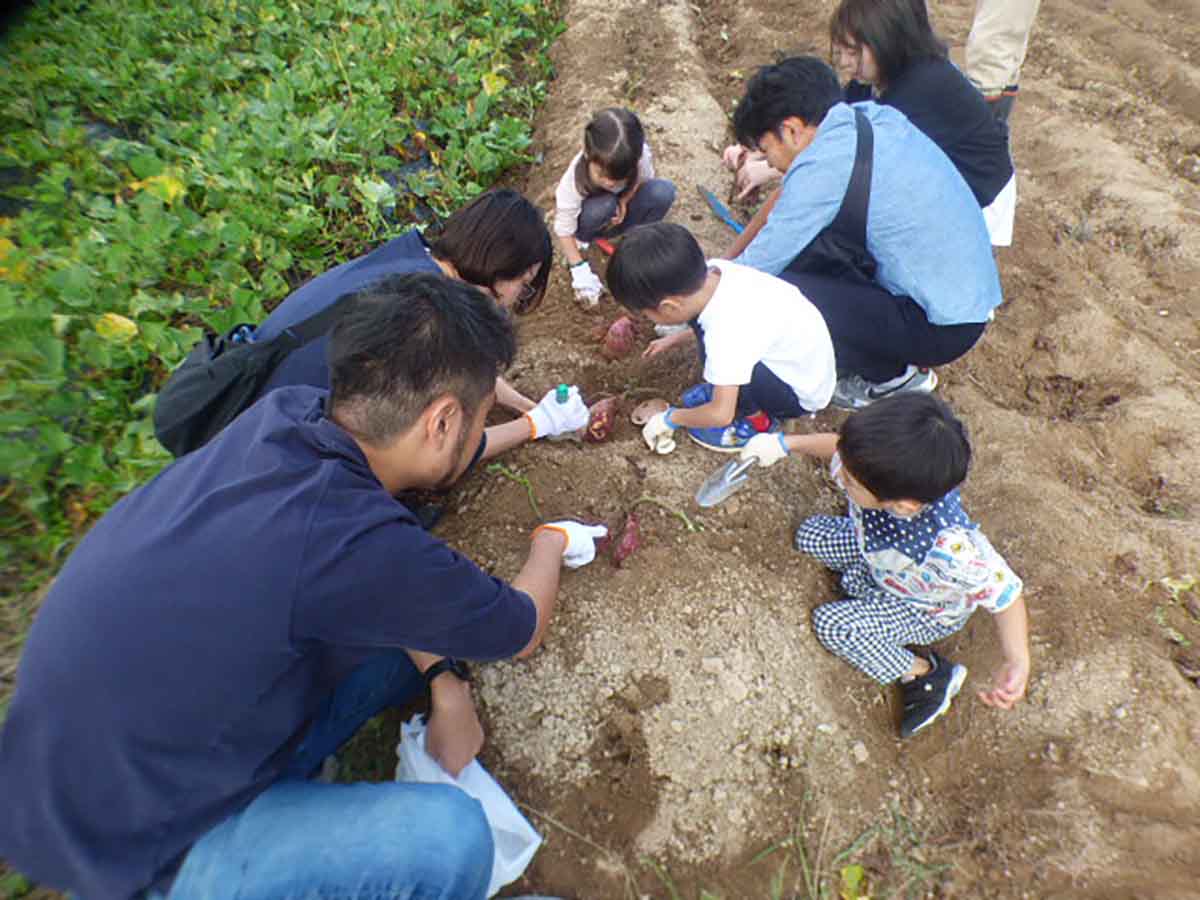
(877, 334)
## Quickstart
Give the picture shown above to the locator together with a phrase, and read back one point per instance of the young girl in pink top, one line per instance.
(608, 188)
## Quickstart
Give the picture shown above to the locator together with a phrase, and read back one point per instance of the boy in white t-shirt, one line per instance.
(766, 350)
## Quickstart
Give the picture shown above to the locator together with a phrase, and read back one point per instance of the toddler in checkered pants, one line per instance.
(914, 566)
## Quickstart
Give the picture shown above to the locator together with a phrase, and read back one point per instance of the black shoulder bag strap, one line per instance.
(314, 326)
(851, 219)
(839, 250)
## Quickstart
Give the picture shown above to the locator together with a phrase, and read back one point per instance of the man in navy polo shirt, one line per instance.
(226, 626)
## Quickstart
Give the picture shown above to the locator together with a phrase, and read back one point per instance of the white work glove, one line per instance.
(659, 432)
(581, 540)
(551, 418)
(586, 283)
(768, 449)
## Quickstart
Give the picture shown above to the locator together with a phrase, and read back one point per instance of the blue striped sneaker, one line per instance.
(728, 438)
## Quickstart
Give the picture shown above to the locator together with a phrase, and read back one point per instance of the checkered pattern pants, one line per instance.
(869, 627)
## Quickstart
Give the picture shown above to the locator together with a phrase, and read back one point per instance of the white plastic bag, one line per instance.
(513, 836)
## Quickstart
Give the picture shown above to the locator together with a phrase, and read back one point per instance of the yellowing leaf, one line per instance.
(854, 884)
(115, 327)
(493, 83)
(14, 273)
(165, 187)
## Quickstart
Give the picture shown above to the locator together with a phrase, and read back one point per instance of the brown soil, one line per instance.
(682, 718)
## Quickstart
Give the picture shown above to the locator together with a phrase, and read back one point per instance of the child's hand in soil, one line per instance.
(588, 286)
(1008, 685)
(768, 449)
(659, 432)
(662, 344)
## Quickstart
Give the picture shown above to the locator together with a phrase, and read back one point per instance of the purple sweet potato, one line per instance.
(629, 541)
(602, 419)
(620, 338)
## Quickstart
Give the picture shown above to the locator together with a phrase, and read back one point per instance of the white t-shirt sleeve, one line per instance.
(568, 202)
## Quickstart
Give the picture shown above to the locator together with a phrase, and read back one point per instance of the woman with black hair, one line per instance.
(891, 55)
(498, 243)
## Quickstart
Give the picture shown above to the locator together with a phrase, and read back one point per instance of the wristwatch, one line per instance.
(447, 664)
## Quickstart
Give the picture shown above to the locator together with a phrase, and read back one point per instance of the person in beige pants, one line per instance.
(996, 48)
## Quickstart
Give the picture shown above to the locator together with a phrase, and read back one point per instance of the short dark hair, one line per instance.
(654, 262)
(906, 447)
(897, 31)
(408, 339)
(803, 86)
(498, 235)
(614, 140)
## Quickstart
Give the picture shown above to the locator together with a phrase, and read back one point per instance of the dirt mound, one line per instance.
(683, 711)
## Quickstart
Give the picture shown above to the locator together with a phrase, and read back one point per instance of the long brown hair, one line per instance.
(614, 140)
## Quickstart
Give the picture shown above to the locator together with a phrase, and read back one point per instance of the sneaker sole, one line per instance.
(957, 677)
(715, 449)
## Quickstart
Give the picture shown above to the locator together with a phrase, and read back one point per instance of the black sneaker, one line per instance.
(929, 696)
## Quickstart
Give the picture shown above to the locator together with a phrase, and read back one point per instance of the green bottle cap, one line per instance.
(562, 393)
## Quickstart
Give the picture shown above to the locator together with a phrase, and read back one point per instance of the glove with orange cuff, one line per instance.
(581, 540)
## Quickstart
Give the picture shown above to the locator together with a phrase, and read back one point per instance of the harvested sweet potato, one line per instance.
(619, 339)
(629, 541)
(602, 419)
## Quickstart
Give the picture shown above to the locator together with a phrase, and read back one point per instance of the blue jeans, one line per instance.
(649, 205)
(302, 839)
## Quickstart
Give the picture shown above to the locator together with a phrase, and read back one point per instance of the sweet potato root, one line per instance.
(619, 339)
(602, 419)
(629, 541)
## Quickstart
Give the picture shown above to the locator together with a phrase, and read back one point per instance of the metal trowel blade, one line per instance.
(727, 480)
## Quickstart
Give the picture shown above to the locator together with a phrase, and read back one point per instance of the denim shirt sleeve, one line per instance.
(812, 193)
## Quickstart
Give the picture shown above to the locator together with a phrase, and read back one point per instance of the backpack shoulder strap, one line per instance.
(314, 326)
(851, 219)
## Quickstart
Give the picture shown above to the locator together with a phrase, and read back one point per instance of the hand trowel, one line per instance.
(727, 480)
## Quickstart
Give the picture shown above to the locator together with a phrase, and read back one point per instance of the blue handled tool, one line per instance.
(720, 209)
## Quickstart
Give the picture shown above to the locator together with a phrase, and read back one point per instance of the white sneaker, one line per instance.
(855, 392)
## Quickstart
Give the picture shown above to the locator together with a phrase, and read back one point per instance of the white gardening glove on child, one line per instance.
(768, 449)
(581, 540)
(551, 418)
(586, 283)
(659, 432)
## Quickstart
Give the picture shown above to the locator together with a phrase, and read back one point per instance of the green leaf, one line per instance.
(854, 883)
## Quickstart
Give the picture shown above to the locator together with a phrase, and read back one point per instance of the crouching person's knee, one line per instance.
(830, 628)
(440, 842)
(466, 853)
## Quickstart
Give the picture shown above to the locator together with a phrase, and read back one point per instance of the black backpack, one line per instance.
(223, 375)
(840, 250)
